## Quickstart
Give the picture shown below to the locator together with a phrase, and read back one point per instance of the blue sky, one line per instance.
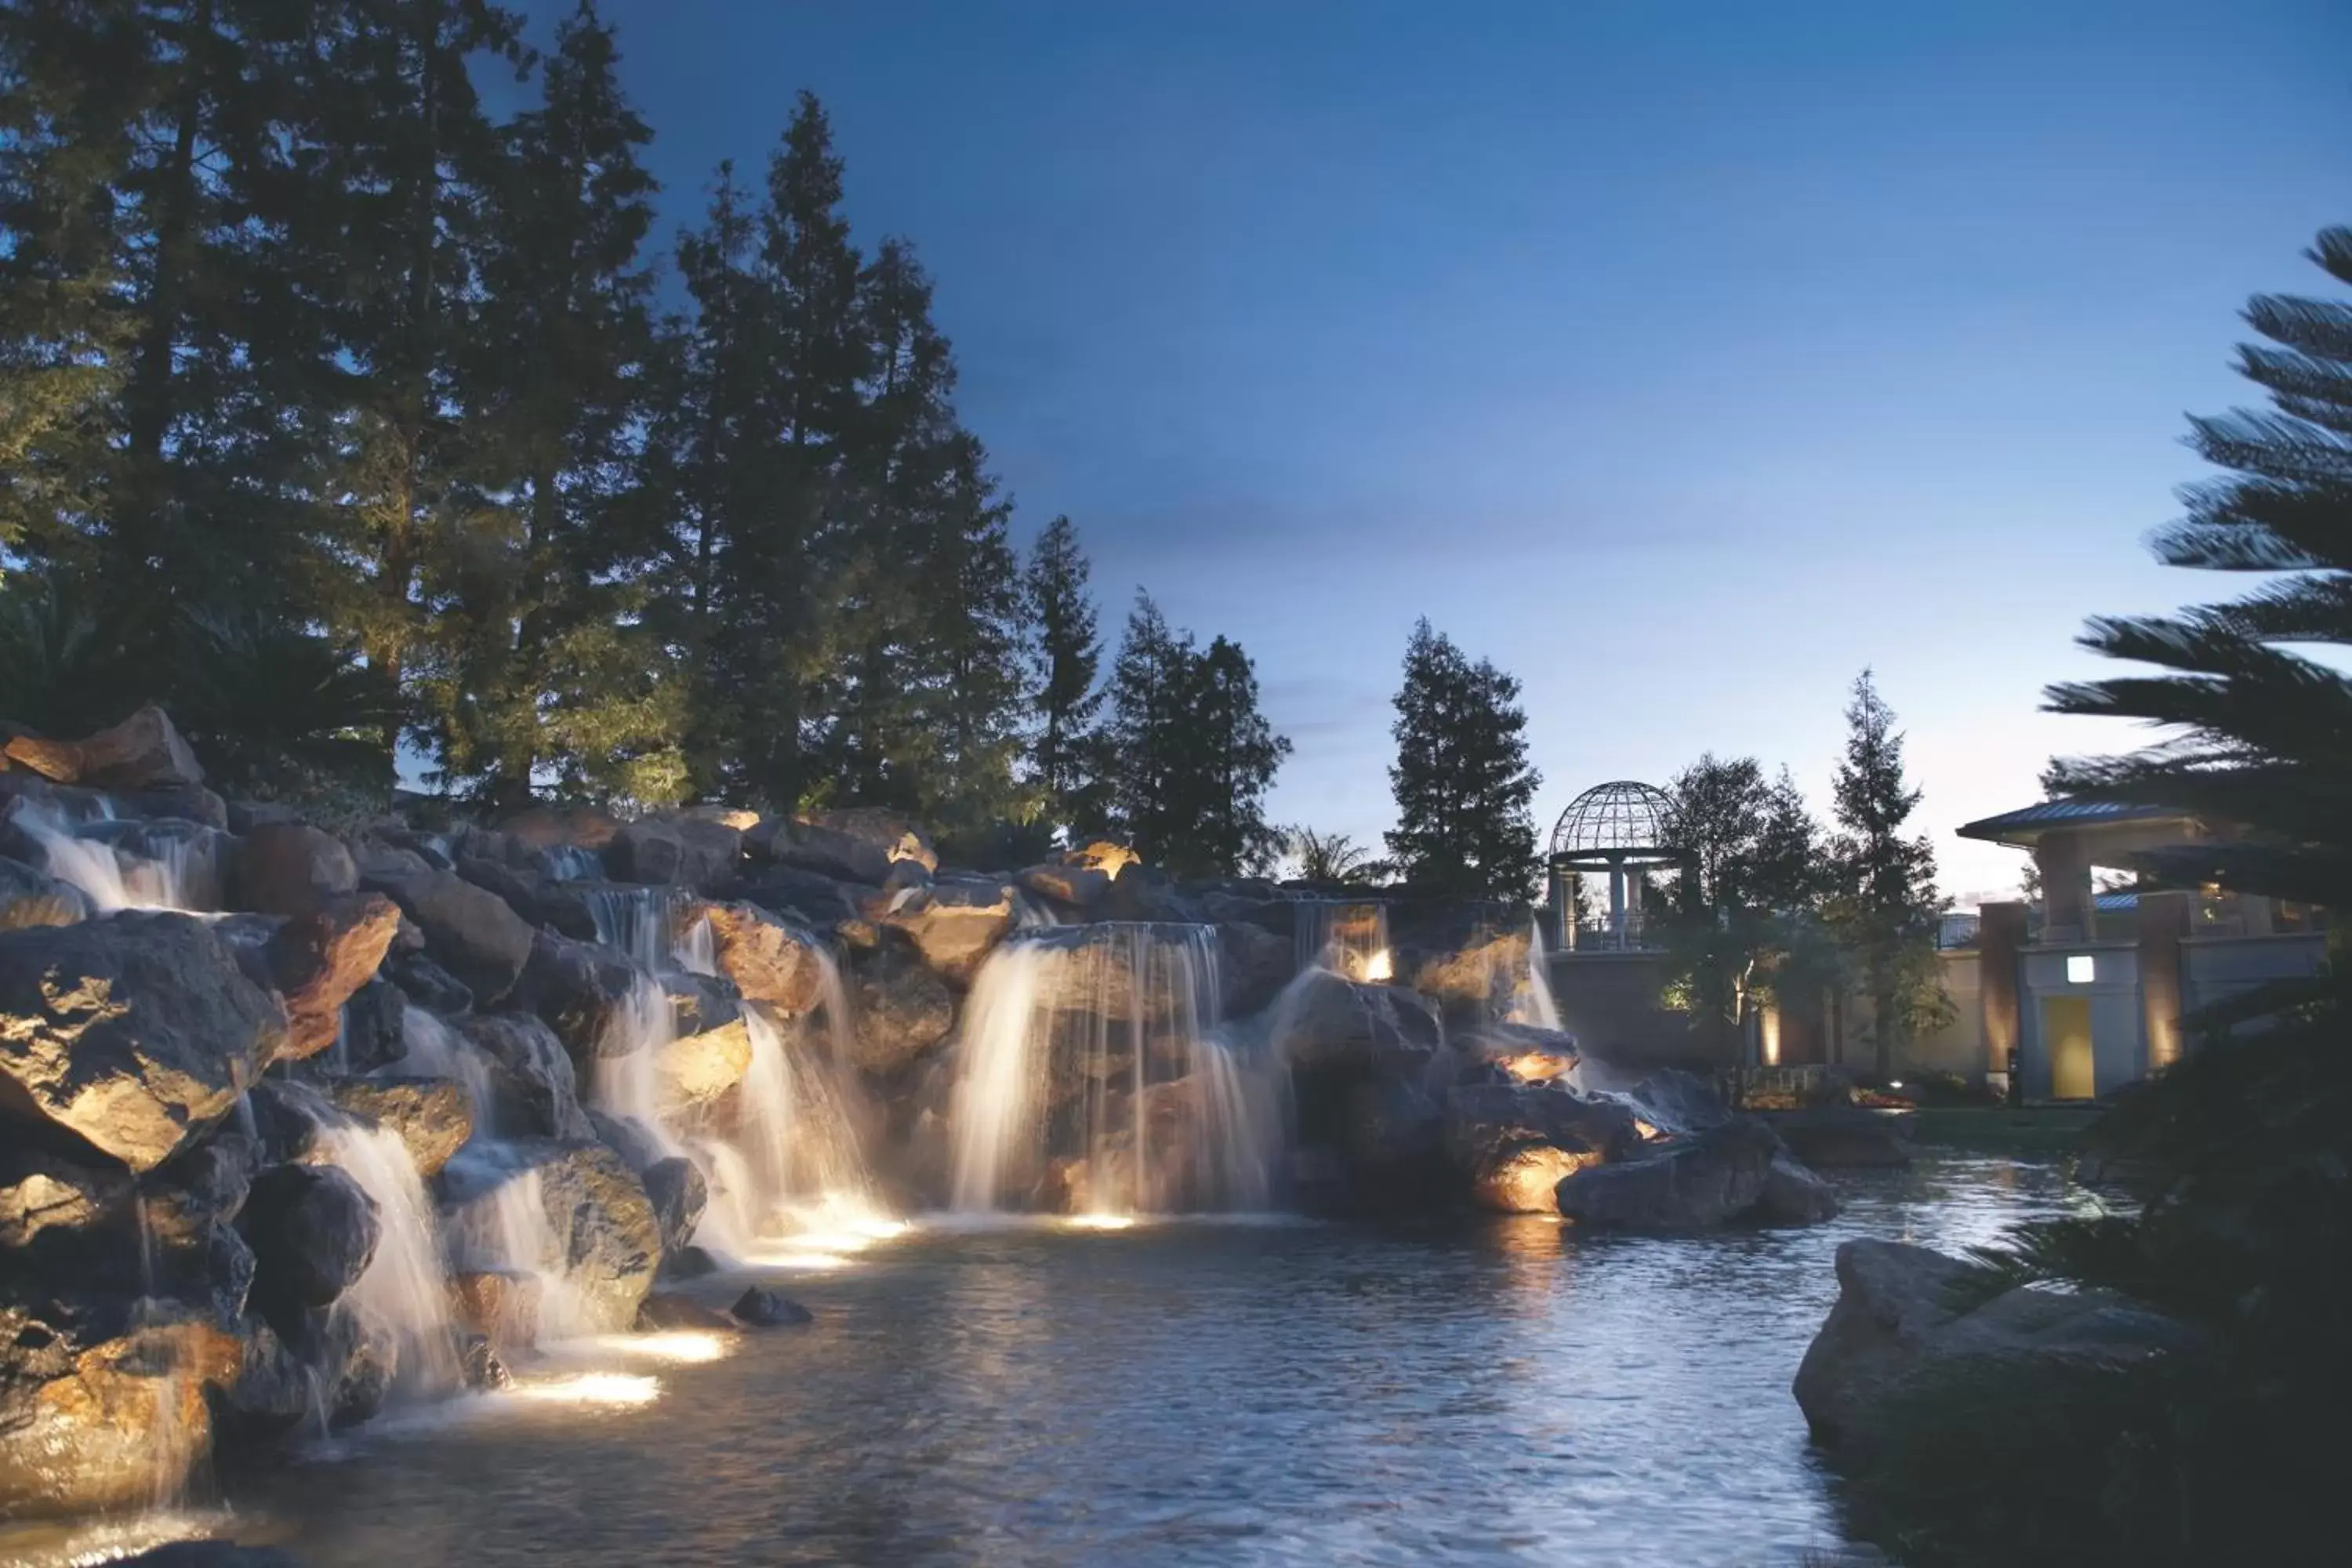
(1683, 359)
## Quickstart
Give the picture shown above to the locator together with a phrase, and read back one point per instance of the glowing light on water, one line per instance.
(688, 1346)
(88, 1543)
(1102, 1222)
(590, 1388)
(1380, 969)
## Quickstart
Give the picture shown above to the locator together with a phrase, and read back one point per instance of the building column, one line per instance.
(1617, 907)
(2068, 913)
(2163, 920)
(2001, 933)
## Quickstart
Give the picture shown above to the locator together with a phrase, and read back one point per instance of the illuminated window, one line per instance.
(2080, 969)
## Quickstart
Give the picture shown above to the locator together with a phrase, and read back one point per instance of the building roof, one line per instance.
(2029, 823)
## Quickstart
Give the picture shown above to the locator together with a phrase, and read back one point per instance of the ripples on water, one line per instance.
(1188, 1394)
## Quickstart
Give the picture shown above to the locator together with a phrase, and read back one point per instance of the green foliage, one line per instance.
(61, 659)
(1065, 660)
(1334, 857)
(1740, 921)
(1881, 903)
(1187, 754)
(1463, 785)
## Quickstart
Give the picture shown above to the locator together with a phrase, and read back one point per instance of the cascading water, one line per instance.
(508, 1230)
(570, 863)
(640, 921)
(182, 875)
(1348, 938)
(1532, 1000)
(1093, 1079)
(433, 1049)
(403, 1287)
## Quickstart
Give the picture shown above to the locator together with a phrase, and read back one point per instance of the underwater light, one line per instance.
(1380, 968)
(1102, 1221)
(689, 1345)
(592, 1388)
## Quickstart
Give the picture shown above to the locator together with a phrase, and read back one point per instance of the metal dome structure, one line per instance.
(1620, 828)
(1619, 823)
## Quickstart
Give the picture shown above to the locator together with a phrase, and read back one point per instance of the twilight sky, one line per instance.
(1682, 358)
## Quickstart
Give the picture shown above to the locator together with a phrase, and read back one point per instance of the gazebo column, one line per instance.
(1617, 904)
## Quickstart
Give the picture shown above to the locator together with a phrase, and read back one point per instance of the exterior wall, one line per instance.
(2213, 967)
(1960, 1046)
(1608, 1000)
(2118, 1032)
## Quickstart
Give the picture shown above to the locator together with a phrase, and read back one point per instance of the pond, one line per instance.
(1175, 1393)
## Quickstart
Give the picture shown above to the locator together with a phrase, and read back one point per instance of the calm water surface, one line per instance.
(1184, 1393)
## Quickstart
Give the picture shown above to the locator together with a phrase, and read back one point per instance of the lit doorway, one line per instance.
(2066, 1032)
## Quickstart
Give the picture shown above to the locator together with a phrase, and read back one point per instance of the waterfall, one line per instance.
(626, 1081)
(508, 1230)
(570, 863)
(431, 1049)
(1348, 938)
(404, 1285)
(1092, 1078)
(1532, 1001)
(640, 921)
(182, 876)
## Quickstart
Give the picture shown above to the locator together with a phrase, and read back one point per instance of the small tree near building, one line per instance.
(1463, 785)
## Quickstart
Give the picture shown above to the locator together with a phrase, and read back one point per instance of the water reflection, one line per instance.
(1186, 1393)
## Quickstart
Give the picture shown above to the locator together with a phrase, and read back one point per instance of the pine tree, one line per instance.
(539, 661)
(1143, 737)
(1883, 906)
(1066, 657)
(1232, 754)
(1463, 785)
(967, 652)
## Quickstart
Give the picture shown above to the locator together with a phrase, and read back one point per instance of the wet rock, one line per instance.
(103, 1400)
(678, 1194)
(1103, 856)
(134, 1032)
(700, 1002)
(534, 1089)
(167, 860)
(822, 903)
(899, 1009)
(1078, 888)
(1483, 1120)
(502, 1305)
(954, 923)
(1526, 1053)
(366, 1367)
(1907, 1321)
(895, 835)
(1468, 957)
(375, 1027)
(1394, 1143)
(580, 989)
(1258, 965)
(43, 1194)
(290, 1118)
(1323, 1021)
(472, 933)
(1524, 1178)
(695, 1069)
(143, 751)
(313, 1231)
(666, 1310)
(319, 960)
(433, 1116)
(1697, 1182)
(689, 1262)
(824, 851)
(605, 1236)
(538, 900)
(1146, 895)
(769, 960)
(562, 827)
(427, 985)
(287, 868)
(479, 1366)
(766, 1310)
(1667, 1099)
(32, 898)
(676, 852)
(1793, 1196)
(1846, 1138)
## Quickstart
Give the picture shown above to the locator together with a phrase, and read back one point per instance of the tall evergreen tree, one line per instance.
(1883, 905)
(1233, 754)
(1066, 657)
(539, 661)
(1144, 735)
(1463, 785)
(967, 652)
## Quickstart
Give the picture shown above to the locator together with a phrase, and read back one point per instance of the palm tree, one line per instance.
(1334, 857)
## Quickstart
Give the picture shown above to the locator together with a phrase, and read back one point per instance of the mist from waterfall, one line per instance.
(1532, 1000)
(403, 1288)
(1094, 1078)
(1348, 936)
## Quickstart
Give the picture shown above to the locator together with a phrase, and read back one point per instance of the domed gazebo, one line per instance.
(1618, 827)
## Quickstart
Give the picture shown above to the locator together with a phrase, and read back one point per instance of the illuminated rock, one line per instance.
(1525, 1177)
(676, 851)
(32, 898)
(317, 960)
(143, 751)
(433, 1116)
(1694, 1183)
(769, 960)
(954, 922)
(602, 1229)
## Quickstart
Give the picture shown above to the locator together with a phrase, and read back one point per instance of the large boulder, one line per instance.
(822, 903)
(953, 923)
(542, 827)
(288, 869)
(582, 989)
(533, 1086)
(134, 1034)
(693, 1070)
(901, 1010)
(1076, 888)
(1912, 1324)
(33, 898)
(1793, 1196)
(1846, 1137)
(678, 1194)
(538, 899)
(676, 851)
(141, 752)
(1469, 957)
(812, 847)
(769, 960)
(1257, 965)
(313, 1231)
(1524, 1178)
(103, 1402)
(468, 930)
(601, 1232)
(897, 837)
(1483, 1120)
(433, 1116)
(426, 983)
(46, 1195)
(1692, 1183)
(1523, 1051)
(317, 962)
(1323, 1021)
